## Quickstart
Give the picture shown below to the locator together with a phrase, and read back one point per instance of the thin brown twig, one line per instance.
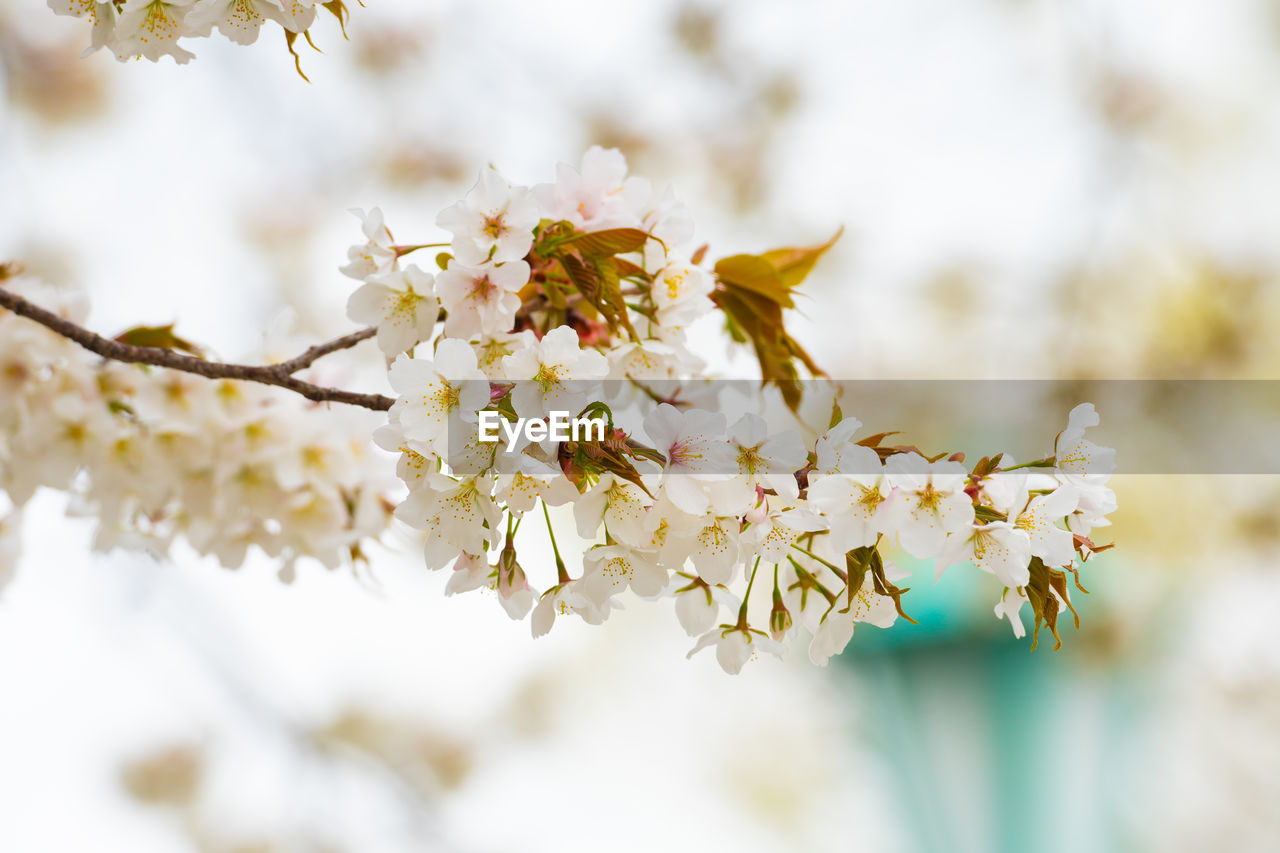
(318, 351)
(280, 375)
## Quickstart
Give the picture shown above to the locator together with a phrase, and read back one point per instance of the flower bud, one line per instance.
(511, 577)
(779, 618)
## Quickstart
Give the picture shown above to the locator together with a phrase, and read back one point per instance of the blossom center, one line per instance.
(749, 459)
(482, 288)
(617, 569)
(445, 397)
(406, 303)
(548, 376)
(929, 498)
(494, 226)
(870, 499)
(673, 285)
(158, 22)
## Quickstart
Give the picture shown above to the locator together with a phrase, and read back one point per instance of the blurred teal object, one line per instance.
(994, 748)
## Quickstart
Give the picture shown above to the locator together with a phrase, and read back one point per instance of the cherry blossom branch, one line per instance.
(280, 375)
(318, 351)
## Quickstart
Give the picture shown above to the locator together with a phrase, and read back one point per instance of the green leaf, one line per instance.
(798, 352)
(986, 466)
(612, 303)
(611, 241)
(884, 587)
(1058, 582)
(583, 276)
(759, 319)
(1043, 603)
(158, 337)
(874, 440)
(339, 11)
(626, 269)
(289, 38)
(597, 280)
(856, 563)
(793, 264)
(753, 291)
(756, 274)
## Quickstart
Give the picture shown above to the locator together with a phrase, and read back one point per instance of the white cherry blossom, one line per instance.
(1079, 461)
(837, 626)
(597, 196)
(698, 606)
(1096, 502)
(523, 480)
(609, 570)
(694, 445)
(493, 223)
(401, 303)
(621, 506)
(854, 502)
(564, 599)
(377, 254)
(1011, 601)
(492, 349)
(735, 646)
(151, 29)
(682, 293)
(483, 299)
(833, 445)
(712, 543)
(764, 461)
(238, 20)
(1038, 520)
(458, 515)
(102, 16)
(298, 15)
(927, 503)
(996, 547)
(771, 536)
(434, 391)
(470, 571)
(553, 376)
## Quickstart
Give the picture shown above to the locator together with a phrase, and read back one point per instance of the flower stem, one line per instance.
(746, 598)
(561, 573)
(841, 573)
(401, 251)
(1047, 462)
(806, 576)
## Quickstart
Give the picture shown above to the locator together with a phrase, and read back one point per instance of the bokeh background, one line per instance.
(1029, 189)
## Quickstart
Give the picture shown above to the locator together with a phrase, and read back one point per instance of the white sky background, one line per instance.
(942, 135)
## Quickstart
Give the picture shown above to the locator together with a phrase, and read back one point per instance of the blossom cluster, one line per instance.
(550, 294)
(155, 454)
(152, 28)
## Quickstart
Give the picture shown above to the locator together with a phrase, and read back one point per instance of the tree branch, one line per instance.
(318, 351)
(280, 375)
